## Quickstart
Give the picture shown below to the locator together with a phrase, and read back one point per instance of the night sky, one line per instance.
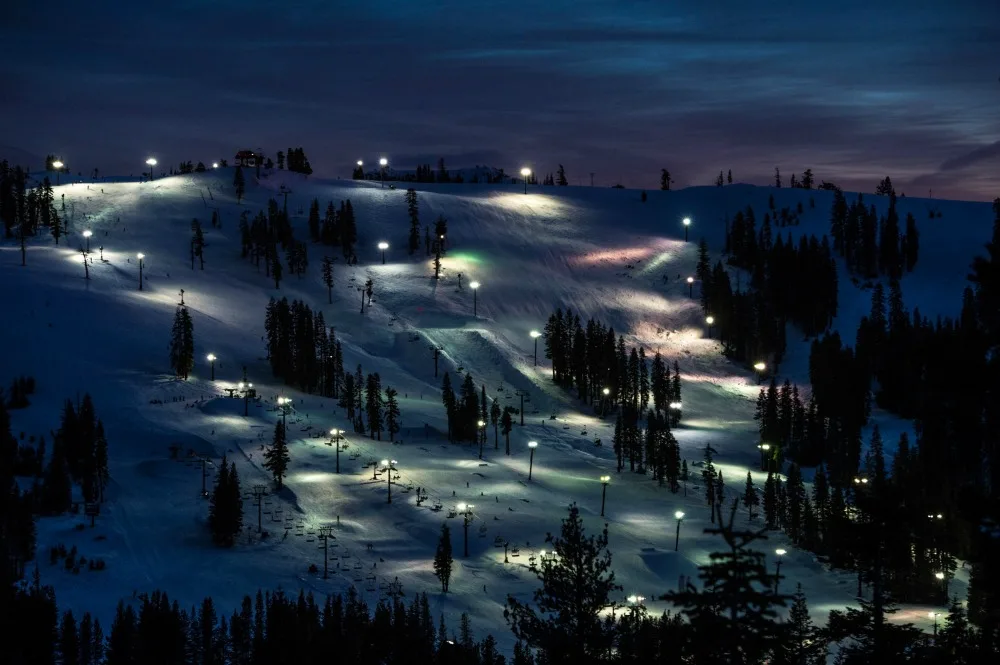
(853, 89)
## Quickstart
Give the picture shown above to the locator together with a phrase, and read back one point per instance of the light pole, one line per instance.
(258, 494)
(475, 288)
(336, 434)
(760, 367)
(215, 165)
(934, 616)
(604, 402)
(465, 510)
(709, 320)
(87, 234)
(944, 581)
(690, 281)
(531, 460)
(326, 533)
(765, 457)
(604, 491)
(677, 535)
(535, 335)
(383, 246)
(481, 436)
(245, 387)
(151, 162)
(389, 466)
(383, 163)
(282, 402)
(141, 264)
(57, 165)
(777, 569)
(211, 362)
(525, 174)
(687, 226)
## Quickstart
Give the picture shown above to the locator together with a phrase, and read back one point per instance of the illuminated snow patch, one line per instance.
(539, 203)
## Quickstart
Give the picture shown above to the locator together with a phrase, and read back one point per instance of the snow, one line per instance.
(566, 247)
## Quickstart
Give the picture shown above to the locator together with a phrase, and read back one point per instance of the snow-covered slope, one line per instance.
(601, 252)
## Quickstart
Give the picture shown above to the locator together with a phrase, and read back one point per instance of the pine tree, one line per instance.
(276, 457)
(443, 560)
(495, 414)
(729, 177)
(391, 413)
(561, 176)
(577, 585)
(225, 514)
(414, 213)
(803, 644)
(182, 343)
(665, 180)
(733, 618)
(239, 183)
(750, 498)
(777, 177)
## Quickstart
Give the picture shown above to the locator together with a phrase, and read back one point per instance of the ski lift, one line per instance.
(482, 530)
(498, 542)
(452, 513)
(437, 506)
(357, 565)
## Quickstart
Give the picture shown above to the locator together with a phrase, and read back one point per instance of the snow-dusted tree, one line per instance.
(564, 620)
(443, 560)
(328, 278)
(276, 457)
(507, 424)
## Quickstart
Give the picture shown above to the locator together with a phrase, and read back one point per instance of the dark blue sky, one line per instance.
(853, 89)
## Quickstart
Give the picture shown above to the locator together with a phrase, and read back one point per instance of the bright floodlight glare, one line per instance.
(360, 163)
(151, 161)
(525, 171)
(240, 385)
(939, 575)
(215, 165)
(765, 446)
(780, 552)
(385, 462)
(87, 234)
(675, 405)
(606, 391)
(481, 423)
(605, 479)
(679, 514)
(474, 285)
(760, 367)
(690, 280)
(383, 245)
(211, 357)
(383, 161)
(140, 256)
(535, 333)
(709, 320)
(687, 221)
(57, 164)
(932, 615)
(532, 444)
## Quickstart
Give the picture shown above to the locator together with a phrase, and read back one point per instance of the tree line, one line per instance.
(336, 228)
(871, 244)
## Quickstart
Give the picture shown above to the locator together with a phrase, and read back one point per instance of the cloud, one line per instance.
(599, 85)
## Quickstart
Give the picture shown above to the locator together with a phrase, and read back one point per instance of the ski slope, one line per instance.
(600, 252)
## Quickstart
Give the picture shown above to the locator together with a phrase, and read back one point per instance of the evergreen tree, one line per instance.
(665, 180)
(577, 585)
(803, 644)
(733, 618)
(100, 468)
(328, 278)
(239, 183)
(443, 560)
(391, 413)
(561, 176)
(750, 498)
(314, 221)
(225, 514)
(414, 213)
(57, 487)
(777, 177)
(729, 177)
(182, 343)
(276, 457)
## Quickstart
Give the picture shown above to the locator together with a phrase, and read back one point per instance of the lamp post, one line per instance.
(944, 581)
(525, 174)
(389, 466)
(258, 494)
(690, 281)
(383, 246)
(383, 163)
(282, 403)
(764, 457)
(465, 510)
(535, 335)
(151, 162)
(141, 264)
(245, 387)
(760, 367)
(604, 491)
(531, 460)
(325, 534)
(687, 226)
(604, 402)
(475, 289)
(57, 165)
(934, 616)
(777, 569)
(679, 515)
(481, 435)
(709, 320)
(211, 362)
(336, 434)
(87, 234)
(215, 165)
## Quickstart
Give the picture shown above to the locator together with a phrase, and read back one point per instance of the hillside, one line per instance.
(600, 252)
